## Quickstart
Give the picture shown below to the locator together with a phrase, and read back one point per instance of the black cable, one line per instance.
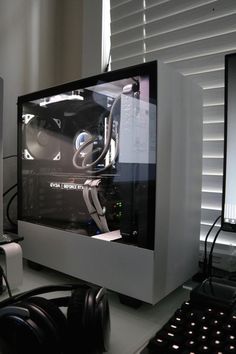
(90, 141)
(211, 253)
(2, 273)
(9, 189)
(205, 246)
(9, 157)
(8, 210)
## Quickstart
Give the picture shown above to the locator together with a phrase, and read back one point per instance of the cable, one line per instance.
(9, 189)
(77, 154)
(112, 162)
(97, 213)
(11, 199)
(205, 246)
(8, 210)
(211, 253)
(9, 157)
(91, 208)
(99, 209)
(2, 273)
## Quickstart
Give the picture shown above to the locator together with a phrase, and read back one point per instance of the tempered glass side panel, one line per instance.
(87, 156)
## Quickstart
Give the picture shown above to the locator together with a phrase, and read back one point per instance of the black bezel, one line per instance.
(224, 225)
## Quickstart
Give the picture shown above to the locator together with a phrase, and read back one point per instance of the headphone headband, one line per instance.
(38, 322)
(41, 290)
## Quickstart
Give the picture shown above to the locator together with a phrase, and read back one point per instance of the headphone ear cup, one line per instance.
(89, 320)
(75, 319)
(103, 327)
(6, 348)
(24, 331)
(54, 323)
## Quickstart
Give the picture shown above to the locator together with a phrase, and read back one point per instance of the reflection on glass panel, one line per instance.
(89, 159)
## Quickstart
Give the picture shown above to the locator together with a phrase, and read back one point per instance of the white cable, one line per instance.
(94, 207)
(100, 211)
(91, 209)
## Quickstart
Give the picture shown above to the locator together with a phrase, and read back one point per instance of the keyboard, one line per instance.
(204, 324)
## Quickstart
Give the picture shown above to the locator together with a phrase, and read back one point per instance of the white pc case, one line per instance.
(144, 273)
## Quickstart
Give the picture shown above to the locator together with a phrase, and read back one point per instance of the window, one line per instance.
(193, 36)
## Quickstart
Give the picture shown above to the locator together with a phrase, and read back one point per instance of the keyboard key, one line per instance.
(232, 318)
(173, 338)
(186, 306)
(230, 349)
(190, 334)
(158, 345)
(221, 315)
(204, 349)
(170, 327)
(215, 323)
(217, 334)
(175, 348)
(217, 345)
(180, 313)
(196, 328)
(231, 339)
(177, 321)
(205, 329)
(191, 344)
(228, 328)
(210, 312)
(202, 339)
(195, 315)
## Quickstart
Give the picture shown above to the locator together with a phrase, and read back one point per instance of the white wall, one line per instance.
(40, 46)
(92, 38)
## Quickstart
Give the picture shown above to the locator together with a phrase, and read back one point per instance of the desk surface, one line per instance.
(130, 328)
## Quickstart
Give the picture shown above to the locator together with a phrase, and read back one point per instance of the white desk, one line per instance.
(130, 328)
(12, 263)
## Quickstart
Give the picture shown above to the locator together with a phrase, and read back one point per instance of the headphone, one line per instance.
(33, 324)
